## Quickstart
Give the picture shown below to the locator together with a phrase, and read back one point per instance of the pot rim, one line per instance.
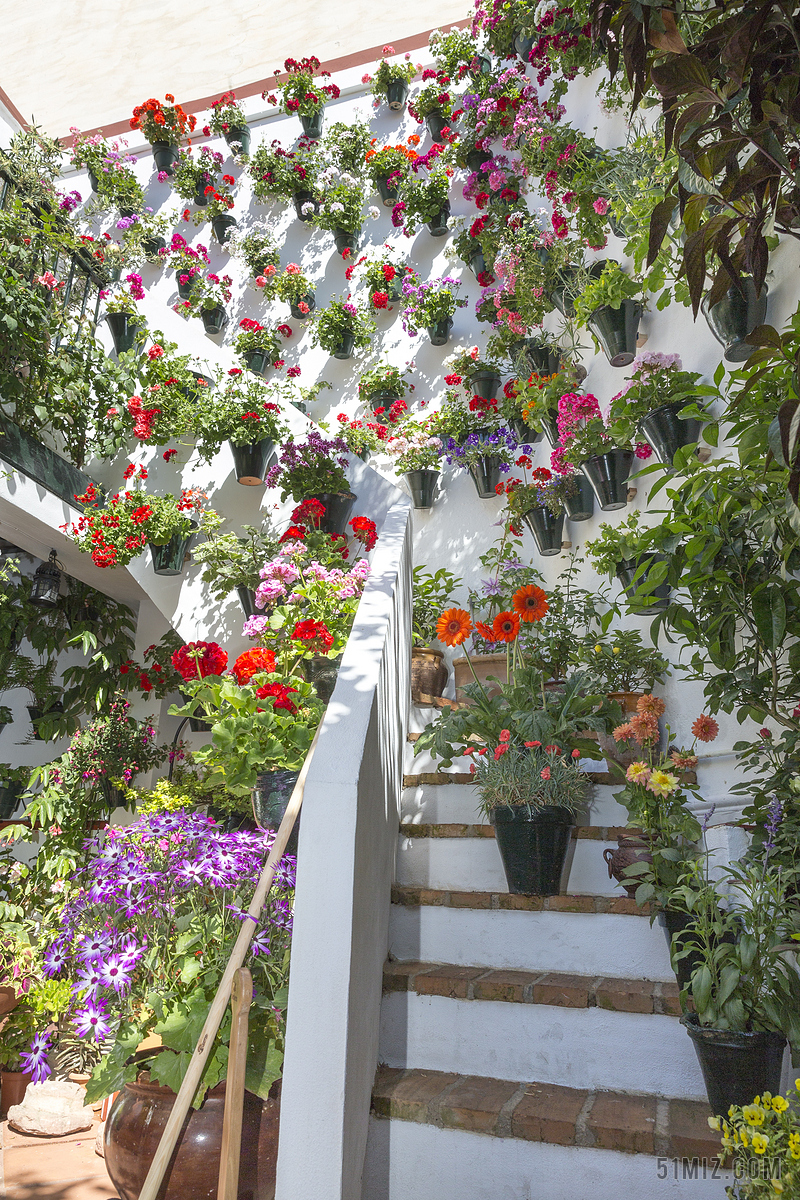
(421, 650)
(733, 1037)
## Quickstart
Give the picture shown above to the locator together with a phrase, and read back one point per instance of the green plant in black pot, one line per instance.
(342, 327)
(246, 411)
(660, 405)
(610, 308)
(423, 201)
(391, 80)
(232, 561)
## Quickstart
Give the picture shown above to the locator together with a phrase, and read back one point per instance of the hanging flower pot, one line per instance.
(436, 122)
(124, 328)
(168, 559)
(184, 289)
(388, 191)
(214, 319)
(477, 159)
(485, 383)
(94, 181)
(580, 507)
(480, 64)
(422, 484)
(550, 426)
(381, 402)
(667, 432)
(735, 316)
(486, 476)
(547, 529)
(165, 156)
(523, 46)
(258, 361)
(533, 845)
(193, 393)
(312, 126)
(152, 245)
(200, 196)
(617, 329)
(250, 461)
(238, 138)
(247, 599)
(223, 226)
(196, 724)
(309, 300)
(608, 474)
(477, 265)
(36, 714)
(428, 673)
(539, 356)
(526, 434)
(9, 799)
(626, 570)
(439, 333)
(127, 210)
(270, 798)
(346, 347)
(323, 671)
(338, 506)
(438, 225)
(396, 94)
(736, 1064)
(346, 241)
(302, 198)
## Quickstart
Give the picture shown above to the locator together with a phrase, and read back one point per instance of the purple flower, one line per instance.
(116, 972)
(260, 943)
(93, 1020)
(775, 818)
(55, 959)
(34, 1062)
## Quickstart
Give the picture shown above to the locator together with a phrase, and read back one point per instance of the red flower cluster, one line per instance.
(380, 299)
(252, 662)
(309, 513)
(364, 531)
(143, 418)
(195, 660)
(279, 693)
(295, 533)
(315, 634)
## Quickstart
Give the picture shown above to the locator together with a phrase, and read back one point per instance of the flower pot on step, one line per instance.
(312, 126)
(214, 319)
(608, 474)
(338, 506)
(438, 224)
(667, 432)
(396, 94)
(484, 666)
(439, 332)
(124, 327)
(165, 156)
(580, 507)
(13, 1086)
(422, 484)
(428, 673)
(346, 347)
(734, 317)
(533, 845)
(547, 529)
(250, 461)
(737, 1065)
(169, 558)
(223, 227)
(617, 329)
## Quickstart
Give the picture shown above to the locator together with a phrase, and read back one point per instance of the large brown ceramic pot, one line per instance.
(136, 1123)
(428, 673)
(13, 1085)
(631, 848)
(484, 665)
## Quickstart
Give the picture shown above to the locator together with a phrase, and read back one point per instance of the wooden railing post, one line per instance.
(241, 999)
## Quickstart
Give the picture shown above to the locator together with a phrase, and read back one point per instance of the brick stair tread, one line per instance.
(412, 897)
(544, 1112)
(438, 778)
(595, 833)
(532, 987)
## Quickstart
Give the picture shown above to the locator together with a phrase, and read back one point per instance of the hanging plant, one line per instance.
(424, 201)
(259, 252)
(299, 94)
(284, 174)
(342, 327)
(391, 80)
(195, 179)
(227, 117)
(383, 274)
(244, 411)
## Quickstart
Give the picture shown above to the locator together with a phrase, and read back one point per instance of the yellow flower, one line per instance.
(615, 649)
(713, 1123)
(598, 649)
(777, 1185)
(779, 1104)
(661, 783)
(760, 1143)
(753, 1114)
(743, 1136)
(795, 1152)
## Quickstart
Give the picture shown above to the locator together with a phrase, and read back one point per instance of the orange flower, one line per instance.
(705, 729)
(651, 704)
(252, 662)
(530, 603)
(486, 631)
(506, 626)
(453, 627)
(623, 733)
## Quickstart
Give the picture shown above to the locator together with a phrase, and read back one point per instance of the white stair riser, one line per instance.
(454, 803)
(574, 1047)
(474, 864)
(574, 943)
(416, 1162)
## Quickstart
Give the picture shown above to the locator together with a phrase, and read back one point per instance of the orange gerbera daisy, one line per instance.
(506, 626)
(530, 603)
(486, 631)
(453, 627)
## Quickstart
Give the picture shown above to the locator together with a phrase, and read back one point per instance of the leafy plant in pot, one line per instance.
(434, 105)
(296, 290)
(540, 502)
(383, 274)
(417, 455)
(586, 442)
(341, 208)
(315, 469)
(165, 127)
(382, 386)
(627, 552)
(232, 563)
(485, 453)
(623, 667)
(246, 413)
(209, 296)
(431, 591)
(301, 96)
(186, 261)
(659, 404)
(391, 81)
(531, 405)
(432, 306)
(387, 167)
(343, 327)
(607, 307)
(195, 179)
(287, 174)
(259, 252)
(227, 117)
(258, 346)
(127, 325)
(423, 201)
(479, 376)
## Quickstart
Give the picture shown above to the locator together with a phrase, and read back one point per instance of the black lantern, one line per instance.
(46, 583)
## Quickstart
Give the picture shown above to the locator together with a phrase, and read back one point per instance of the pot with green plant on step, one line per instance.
(391, 81)
(382, 386)
(257, 346)
(300, 96)
(431, 305)
(231, 562)
(387, 167)
(610, 308)
(247, 414)
(661, 405)
(315, 469)
(342, 327)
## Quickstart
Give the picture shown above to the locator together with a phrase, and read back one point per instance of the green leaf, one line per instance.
(701, 987)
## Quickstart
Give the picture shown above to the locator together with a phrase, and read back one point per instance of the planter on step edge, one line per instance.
(617, 329)
(168, 559)
(428, 673)
(629, 850)
(608, 474)
(338, 506)
(250, 461)
(422, 485)
(533, 845)
(667, 432)
(737, 1065)
(547, 530)
(124, 328)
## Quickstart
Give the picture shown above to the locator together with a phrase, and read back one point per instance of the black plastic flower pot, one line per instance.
(312, 126)
(309, 300)
(271, 797)
(550, 426)
(675, 923)
(165, 156)
(533, 845)
(608, 474)
(258, 361)
(526, 434)
(734, 317)
(396, 94)
(562, 296)
(477, 159)
(485, 384)
(9, 799)
(480, 64)
(388, 192)
(667, 432)
(338, 506)
(540, 357)
(737, 1066)
(523, 46)
(346, 346)
(238, 139)
(124, 329)
(152, 245)
(127, 210)
(323, 672)
(168, 559)
(223, 226)
(113, 797)
(547, 530)
(184, 289)
(660, 595)
(250, 461)
(247, 599)
(36, 714)
(202, 384)
(436, 122)
(617, 329)
(477, 265)
(486, 476)
(381, 402)
(94, 181)
(346, 242)
(422, 485)
(580, 507)
(438, 226)
(200, 196)
(214, 319)
(301, 198)
(439, 332)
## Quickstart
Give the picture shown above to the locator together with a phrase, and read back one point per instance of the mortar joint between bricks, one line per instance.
(661, 1139)
(503, 1127)
(435, 1105)
(495, 901)
(583, 1134)
(471, 982)
(595, 984)
(527, 991)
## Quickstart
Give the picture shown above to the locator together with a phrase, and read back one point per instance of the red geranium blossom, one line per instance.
(364, 531)
(280, 695)
(295, 533)
(252, 662)
(309, 513)
(315, 634)
(197, 659)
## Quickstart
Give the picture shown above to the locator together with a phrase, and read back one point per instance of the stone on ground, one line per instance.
(51, 1109)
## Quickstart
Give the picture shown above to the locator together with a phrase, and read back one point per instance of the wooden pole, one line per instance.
(202, 1050)
(241, 999)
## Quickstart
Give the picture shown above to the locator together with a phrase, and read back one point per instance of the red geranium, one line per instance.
(252, 662)
(364, 531)
(198, 659)
(315, 634)
(295, 533)
(280, 695)
(309, 513)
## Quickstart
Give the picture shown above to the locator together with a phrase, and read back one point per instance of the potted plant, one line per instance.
(625, 551)
(208, 298)
(361, 437)
(227, 117)
(341, 209)
(220, 202)
(287, 175)
(417, 454)
(456, 53)
(127, 325)
(382, 386)
(165, 128)
(295, 290)
(13, 781)
(186, 261)
(761, 1140)
(735, 316)
(480, 376)
(40, 1003)
(109, 166)
(540, 502)
(345, 145)
(432, 306)
(383, 275)
(342, 327)
(387, 167)
(624, 668)
(609, 309)
(431, 592)
(194, 179)
(433, 104)
(245, 414)
(485, 454)
(315, 470)
(144, 238)
(258, 346)
(651, 404)
(164, 410)
(232, 563)
(300, 96)
(391, 80)
(424, 202)
(586, 442)
(133, 519)
(259, 252)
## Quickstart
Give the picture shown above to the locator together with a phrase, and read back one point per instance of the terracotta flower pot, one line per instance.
(428, 673)
(13, 1085)
(630, 849)
(484, 665)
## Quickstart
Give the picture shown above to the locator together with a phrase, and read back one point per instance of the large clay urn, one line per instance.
(136, 1123)
(632, 848)
(483, 665)
(428, 673)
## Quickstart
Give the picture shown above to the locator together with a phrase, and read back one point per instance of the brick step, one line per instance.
(595, 833)
(438, 898)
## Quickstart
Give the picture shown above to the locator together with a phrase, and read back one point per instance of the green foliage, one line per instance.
(532, 776)
(230, 561)
(610, 289)
(424, 199)
(245, 410)
(341, 319)
(621, 663)
(432, 591)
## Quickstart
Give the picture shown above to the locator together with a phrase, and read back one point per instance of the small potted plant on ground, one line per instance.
(382, 386)
(186, 261)
(625, 551)
(127, 325)
(194, 179)
(165, 128)
(209, 296)
(259, 252)
(227, 117)
(315, 470)
(586, 442)
(432, 592)
(258, 346)
(287, 175)
(391, 80)
(608, 308)
(660, 404)
(343, 327)
(478, 375)
(433, 104)
(297, 291)
(341, 209)
(424, 201)
(247, 414)
(301, 97)
(387, 167)
(431, 306)
(417, 453)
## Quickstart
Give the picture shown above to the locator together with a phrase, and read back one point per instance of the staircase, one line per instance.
(529, 1047)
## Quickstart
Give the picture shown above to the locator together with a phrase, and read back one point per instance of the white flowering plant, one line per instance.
(415, 448)
(341, 206)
